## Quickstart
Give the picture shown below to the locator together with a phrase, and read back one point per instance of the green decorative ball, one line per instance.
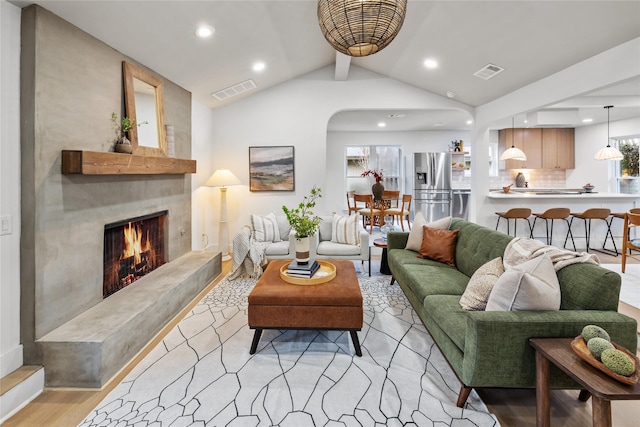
(618, 362)
(597, 345)
(593, 331)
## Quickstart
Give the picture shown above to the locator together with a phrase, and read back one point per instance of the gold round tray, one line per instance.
(326, 272)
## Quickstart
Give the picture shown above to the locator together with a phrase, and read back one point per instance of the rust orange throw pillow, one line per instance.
(439, 245)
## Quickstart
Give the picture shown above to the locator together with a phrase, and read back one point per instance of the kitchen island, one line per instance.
(539, 200)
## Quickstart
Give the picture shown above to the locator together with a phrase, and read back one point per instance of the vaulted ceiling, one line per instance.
(529, 39)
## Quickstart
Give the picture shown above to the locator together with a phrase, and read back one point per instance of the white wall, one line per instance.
(590, 139)
(203, 151)
(10, 347)
(411, 142)
(296, 113)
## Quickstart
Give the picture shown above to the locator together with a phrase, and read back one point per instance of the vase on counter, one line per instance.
(520, 180)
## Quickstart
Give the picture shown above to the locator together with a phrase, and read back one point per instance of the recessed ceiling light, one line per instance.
(451, 94)
(438, 124)
(587, 120)
(430, 63)
(381, 124)
(205, 31)
(469, 122)
(259, 66)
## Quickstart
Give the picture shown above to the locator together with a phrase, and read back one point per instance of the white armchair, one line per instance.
(324, 247)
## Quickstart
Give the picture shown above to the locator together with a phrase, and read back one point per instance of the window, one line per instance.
(626, 170)
(375, 157)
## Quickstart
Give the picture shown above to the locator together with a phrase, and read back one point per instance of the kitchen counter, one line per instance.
(559, 194)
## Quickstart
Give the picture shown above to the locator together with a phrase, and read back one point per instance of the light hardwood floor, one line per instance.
(512, 407)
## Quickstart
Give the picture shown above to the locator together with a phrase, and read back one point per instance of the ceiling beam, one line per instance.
(600, 101)
(342, 66)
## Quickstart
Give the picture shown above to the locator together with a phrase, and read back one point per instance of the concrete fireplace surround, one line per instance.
(92, 347)
(71, 83)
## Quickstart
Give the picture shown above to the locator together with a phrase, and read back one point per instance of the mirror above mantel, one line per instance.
(144, 102)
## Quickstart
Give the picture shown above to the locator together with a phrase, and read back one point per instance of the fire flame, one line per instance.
(133, 242)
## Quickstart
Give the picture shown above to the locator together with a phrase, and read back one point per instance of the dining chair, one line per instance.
(350, 203)
(364, 203)
(391, 199)
(401, 211)
(631, 222)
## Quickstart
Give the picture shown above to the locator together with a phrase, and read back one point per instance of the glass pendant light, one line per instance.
(608, 152)
(513, 153)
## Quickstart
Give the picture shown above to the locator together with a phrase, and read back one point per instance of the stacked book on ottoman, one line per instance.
(306, 270)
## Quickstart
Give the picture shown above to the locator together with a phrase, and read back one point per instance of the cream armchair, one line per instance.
(322, 246)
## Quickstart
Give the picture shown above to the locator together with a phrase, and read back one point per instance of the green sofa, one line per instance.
(491, 348)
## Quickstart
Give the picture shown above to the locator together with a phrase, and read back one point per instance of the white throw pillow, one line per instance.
(479, 288)
(346, 229)
(414, 242)
(265, 228)
(532, 285)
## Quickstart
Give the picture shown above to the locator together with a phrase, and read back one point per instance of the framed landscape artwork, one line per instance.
(271, 168)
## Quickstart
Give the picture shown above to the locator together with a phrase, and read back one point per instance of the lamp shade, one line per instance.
(513, 153)
(608, 152)
(360, 27)
(222, 178)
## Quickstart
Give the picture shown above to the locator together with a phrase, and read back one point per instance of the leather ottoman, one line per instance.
(334, 305)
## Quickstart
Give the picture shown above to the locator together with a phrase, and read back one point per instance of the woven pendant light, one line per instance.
(360, 27)
(608, 152)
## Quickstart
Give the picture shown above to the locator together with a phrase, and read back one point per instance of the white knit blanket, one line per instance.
(521, 249)
(248, 255)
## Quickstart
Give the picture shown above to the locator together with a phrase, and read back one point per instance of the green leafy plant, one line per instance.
(301, 218)
(629, 162)
(127, 123)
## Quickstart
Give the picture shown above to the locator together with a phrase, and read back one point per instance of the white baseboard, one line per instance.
(20, 395)
(11, 360)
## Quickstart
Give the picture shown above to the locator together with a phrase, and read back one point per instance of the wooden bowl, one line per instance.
(579, 346)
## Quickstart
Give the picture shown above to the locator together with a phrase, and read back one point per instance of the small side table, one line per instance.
(384, 264)
(601, 387)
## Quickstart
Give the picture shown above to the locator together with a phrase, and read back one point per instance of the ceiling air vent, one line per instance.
(234, 90)
(488, 71)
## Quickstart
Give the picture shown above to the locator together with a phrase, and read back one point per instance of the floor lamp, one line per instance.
(223, 178)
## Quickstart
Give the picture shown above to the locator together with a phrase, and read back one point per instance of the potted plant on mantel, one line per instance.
(304, 222)
(123, 145)
(378, 188)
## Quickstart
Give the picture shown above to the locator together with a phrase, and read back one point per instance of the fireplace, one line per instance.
(133, 248)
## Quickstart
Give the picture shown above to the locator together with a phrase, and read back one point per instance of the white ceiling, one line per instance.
(530, 39)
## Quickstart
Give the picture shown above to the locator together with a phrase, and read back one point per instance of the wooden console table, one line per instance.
(601, 387)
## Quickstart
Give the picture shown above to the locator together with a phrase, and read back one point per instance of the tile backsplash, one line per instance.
(537, 178)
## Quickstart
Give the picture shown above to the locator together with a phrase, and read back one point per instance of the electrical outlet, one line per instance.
(6, 225)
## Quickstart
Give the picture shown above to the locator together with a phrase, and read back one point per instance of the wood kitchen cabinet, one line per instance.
(528, 140)
(558, 148)
(546, 148)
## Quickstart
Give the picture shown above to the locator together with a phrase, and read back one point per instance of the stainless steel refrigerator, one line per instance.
(432, 185)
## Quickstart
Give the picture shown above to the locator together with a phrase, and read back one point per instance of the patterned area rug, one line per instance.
(202, 374)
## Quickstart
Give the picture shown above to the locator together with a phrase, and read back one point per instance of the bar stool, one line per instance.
(593, 213)
(515, 214)
(614, 215)
(551, 215)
